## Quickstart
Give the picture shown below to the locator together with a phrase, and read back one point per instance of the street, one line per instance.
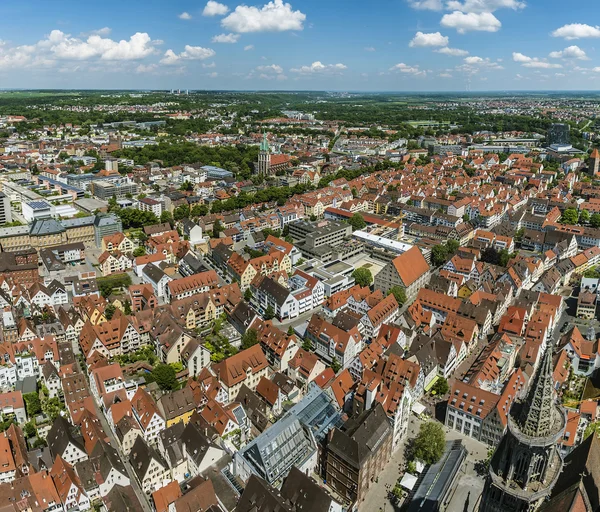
(468, 489)
(144, 500)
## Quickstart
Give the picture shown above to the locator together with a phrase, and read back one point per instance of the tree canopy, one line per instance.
(429, 444)
(363, 276)
(357, 221)
(399, 293)
(165, 376)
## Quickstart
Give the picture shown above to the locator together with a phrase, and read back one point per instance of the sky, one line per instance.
(337, 45)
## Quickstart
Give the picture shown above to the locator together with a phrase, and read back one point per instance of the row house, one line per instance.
(481, 414)
(386, 311)
(111, 338)
(246, 367)
(114, 262)
(245, 271)
(191, 285)
(332, 342)
(279, 347)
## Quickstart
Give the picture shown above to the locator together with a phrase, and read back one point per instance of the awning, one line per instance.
(418, 408)
(433, 381)
(408, 481)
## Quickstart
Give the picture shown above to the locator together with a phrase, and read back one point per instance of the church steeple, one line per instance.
(527, 463)
(264, 145)
(538, 415)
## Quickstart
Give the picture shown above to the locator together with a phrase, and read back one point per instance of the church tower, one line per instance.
(264, 157)
(527, 462)
(594, 163)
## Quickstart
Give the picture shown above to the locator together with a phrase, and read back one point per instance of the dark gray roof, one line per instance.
(242, 316)
(123, 499)
(106, 457)
(141, 455)
(42, 227)
(438, 478)
(60, 435)
(259, 496)
(360, 437)
(274, 289)
(152, 272)
(304, 493)
(195, 442)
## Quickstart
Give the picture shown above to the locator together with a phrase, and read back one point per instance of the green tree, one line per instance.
(336, 366)
(109, 311)
(452, 246)
(584, 217)
(250, 338)
(165, 376)
(439, 255)
(307, 345)
(362, 276)
(595, 220)
(166, 216)
(399, 293)
(187, 186)
(248, 295)
(33, 405)
(139, 251)
(290, 330)
(428, 446)
(181, 212)
(29, 429)
(441, 387)
(357, 222)
(570, 216)
(217, 228)
(127, 307)
(269, 313)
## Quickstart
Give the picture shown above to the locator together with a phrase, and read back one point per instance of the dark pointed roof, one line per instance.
(539, 414)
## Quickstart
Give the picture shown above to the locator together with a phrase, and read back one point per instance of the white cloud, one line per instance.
(63, 46)
(559, 75)
(319, 67)
(429, 5)
(189, 53)
(104, 31)
(226, 38)
(445, 75)
(248, 47)
(209, 65)
(214, 74)
(453, 52)
(474, 62)
(274, 68)
(274, 16)
(411, 70)
(533, 62)
(185, 16)
(485, 22)
(484, 5)
(213, 8)
(425, 40)
(145, 68)
(577, 31)
(369, 48)
(571, 52)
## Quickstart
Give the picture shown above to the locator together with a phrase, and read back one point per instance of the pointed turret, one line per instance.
(537, 418)
(264, 145)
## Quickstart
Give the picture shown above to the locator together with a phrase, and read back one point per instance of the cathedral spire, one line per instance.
(537, 415)
(264, 145)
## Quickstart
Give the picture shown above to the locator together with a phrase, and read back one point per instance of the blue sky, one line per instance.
(373, 45)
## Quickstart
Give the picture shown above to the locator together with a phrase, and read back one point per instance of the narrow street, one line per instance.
(144, 500)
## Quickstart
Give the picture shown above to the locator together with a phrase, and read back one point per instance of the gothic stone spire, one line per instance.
(537, 416)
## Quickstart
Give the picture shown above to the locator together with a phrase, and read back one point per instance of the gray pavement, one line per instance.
(468, 490)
